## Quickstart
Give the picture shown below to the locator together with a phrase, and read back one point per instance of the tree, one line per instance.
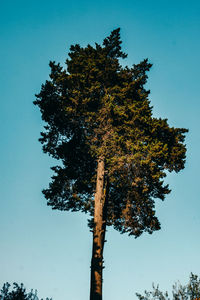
(114, 153)
(18, 293)
(190, 291)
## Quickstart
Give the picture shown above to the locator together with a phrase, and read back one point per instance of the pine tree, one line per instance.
(114, 153)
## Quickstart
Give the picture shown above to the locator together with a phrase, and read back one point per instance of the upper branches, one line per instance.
(97, 108)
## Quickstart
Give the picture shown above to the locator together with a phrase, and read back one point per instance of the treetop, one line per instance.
(96, 108)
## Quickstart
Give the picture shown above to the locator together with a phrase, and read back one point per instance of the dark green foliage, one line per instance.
(96, 108)
(17, 293)
(190, 291)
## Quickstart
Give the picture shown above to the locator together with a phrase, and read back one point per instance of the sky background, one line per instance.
(50, 250)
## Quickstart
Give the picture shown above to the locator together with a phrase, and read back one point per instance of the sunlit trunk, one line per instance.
(98, 233)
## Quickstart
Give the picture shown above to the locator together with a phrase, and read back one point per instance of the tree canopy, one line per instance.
(190, 291)
(95, 108)
(17, 293)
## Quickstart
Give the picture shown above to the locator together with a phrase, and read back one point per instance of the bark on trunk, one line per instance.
(100, 203)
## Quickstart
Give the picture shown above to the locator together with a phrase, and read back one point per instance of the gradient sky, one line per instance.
(51, 250)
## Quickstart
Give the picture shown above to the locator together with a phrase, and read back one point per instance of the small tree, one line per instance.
(17, 293)
(114, 153)
(190, 291)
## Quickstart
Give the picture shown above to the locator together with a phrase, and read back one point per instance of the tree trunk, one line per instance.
(99, 229)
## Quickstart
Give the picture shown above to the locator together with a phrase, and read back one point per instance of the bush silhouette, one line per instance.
(190, 291)
(18, 293)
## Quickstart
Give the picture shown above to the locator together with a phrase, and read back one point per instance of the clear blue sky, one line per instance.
(50, 250)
